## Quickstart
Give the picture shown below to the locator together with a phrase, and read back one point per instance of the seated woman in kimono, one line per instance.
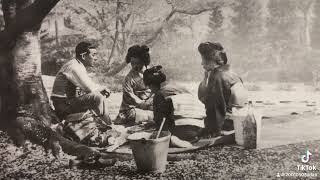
(220, 90)
(136, 106)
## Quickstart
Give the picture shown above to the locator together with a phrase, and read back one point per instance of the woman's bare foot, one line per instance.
(206, 134)
(175, 141)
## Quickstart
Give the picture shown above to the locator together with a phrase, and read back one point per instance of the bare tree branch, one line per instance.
(194, 12)
(170, 15)
(149, 41)
(112, 38)
(127, 36)
(125, 20)
(82, 10)
(159, 30)
(157, 33)
(91, 15)
(116, 34)
(158, 19)
(169, 2)
(101, 14)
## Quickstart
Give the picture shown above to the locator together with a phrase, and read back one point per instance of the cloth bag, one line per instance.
(247, 125)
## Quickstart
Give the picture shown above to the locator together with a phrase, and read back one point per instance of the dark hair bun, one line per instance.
(140, 52)
(145, 48)
(206, 49)
(154, 76)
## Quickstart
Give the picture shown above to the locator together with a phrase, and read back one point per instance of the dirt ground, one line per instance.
(221, 162)
(290, 125)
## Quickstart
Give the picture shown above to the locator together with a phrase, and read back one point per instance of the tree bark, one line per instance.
(25, 107)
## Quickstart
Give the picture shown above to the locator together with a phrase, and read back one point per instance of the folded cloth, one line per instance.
(188, 106)
(88, 129)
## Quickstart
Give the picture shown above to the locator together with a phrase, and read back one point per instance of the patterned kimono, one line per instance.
(215, 93)
(136, 100)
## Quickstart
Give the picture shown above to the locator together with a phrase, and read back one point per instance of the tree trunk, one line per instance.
(116, 34)
(56, 27)
(33, 103)
(307, 12)
(30, 98)
(307, 31)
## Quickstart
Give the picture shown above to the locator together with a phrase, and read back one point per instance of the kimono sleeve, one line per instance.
(202, 89)
(238, 93)
(128, 92)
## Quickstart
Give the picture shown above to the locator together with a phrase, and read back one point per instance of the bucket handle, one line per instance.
(161, 126)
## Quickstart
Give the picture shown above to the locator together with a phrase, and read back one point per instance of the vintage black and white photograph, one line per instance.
(159, 89)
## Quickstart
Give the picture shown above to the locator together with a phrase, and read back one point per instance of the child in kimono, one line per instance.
(162, 106)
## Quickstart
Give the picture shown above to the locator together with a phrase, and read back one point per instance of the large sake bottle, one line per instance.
(247, 125)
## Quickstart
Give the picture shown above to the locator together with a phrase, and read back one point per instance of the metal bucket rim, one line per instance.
(160, 139)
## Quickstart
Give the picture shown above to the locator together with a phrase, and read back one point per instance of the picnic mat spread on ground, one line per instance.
(123, 145)
(87, 129)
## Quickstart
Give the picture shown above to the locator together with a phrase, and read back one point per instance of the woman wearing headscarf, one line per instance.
(137, 99)
(220, 90)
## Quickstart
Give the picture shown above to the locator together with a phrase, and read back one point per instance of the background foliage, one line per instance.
(266, 40)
